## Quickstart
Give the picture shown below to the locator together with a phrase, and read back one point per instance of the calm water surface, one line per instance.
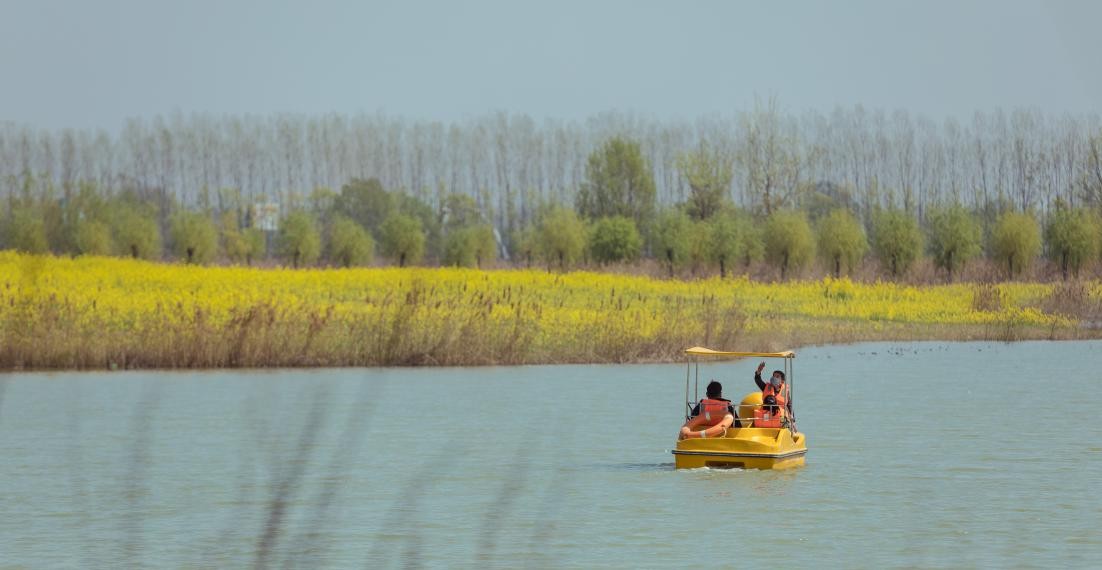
(921, 455)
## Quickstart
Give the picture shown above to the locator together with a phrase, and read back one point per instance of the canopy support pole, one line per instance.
(688, 370)
(696, 382)
(791, 366)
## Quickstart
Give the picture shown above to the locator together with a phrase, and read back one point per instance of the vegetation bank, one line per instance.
(101, 312)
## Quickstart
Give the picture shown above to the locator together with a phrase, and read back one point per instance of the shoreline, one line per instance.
(674, 358)
(117, 314)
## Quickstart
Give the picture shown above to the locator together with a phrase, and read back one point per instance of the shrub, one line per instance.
(233, 239)
(896, 240)
(194, 238)
(725, 240)
(26, 231)
(136, 233)
(615, 239)
(699, 252)
(842, 241)
(954, 238)
(349, 243)
(788, 240)
(671, 238)
(470, 246)
(751, 242)
(1071, 239)
(93, 238)
(402, 238)
(526, 245)
(257, 244)
(1015, 241)
(298, 239)
(562, 237)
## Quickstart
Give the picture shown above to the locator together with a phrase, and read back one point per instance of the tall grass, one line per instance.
(114, 313)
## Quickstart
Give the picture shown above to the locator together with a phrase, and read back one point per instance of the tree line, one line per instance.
(615, 217)
(509, 163)
(722, 192)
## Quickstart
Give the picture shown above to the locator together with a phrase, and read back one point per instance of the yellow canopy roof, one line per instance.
(701, 351)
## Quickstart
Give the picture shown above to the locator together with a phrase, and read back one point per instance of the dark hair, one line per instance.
(775, 372)
(714, 390)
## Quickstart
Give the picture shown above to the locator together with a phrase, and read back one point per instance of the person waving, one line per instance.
(776, 387)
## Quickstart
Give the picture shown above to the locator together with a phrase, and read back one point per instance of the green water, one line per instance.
(921, 455)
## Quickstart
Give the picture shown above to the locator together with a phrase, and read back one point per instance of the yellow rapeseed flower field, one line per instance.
(108, 312)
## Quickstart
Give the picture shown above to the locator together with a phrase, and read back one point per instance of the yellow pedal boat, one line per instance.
(741, 447)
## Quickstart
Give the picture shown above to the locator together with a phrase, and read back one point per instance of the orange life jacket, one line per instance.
(762, 419)
(713, 411)
(780, 394)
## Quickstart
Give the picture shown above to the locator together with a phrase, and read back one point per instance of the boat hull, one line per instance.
(744, 448)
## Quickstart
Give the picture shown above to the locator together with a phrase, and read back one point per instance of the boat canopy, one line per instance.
(701, 351)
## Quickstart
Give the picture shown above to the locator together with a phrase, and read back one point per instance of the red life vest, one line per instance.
(762, 419)
(713, 411)
(780, 394)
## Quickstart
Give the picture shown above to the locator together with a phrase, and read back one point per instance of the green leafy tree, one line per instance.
(700, 245)
(752, 242)
(457, 249)
(366, 202)
(484, 244)
(429, 219)
(615, 239)
(897, 241)
(460, 211)
(402, 239)
(470, 246)
(468, 240)
(671, 238)
(1071, 238)
(93, 238)
(136, 231)
(86, 207)
(789, 243)
(233, 239)
(257, 244)
(298, 239)
(526, 244)
(194, 237)
(708, 174)
(562, 237)
(349, 244)
(26, 230)
(618, 183)
(725, 240)
(1016, 241)
(955, 238)
(842, 241)
(321, 202)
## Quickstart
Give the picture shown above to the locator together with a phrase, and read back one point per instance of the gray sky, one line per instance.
(94, 63)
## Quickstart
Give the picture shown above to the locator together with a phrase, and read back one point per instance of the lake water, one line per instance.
(920, 455)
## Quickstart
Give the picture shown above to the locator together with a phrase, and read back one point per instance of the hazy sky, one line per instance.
(94, 63)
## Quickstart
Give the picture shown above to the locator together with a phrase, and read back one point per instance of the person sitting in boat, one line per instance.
(714, 412)
(776, 387)
(769, 414)
(714, 393)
